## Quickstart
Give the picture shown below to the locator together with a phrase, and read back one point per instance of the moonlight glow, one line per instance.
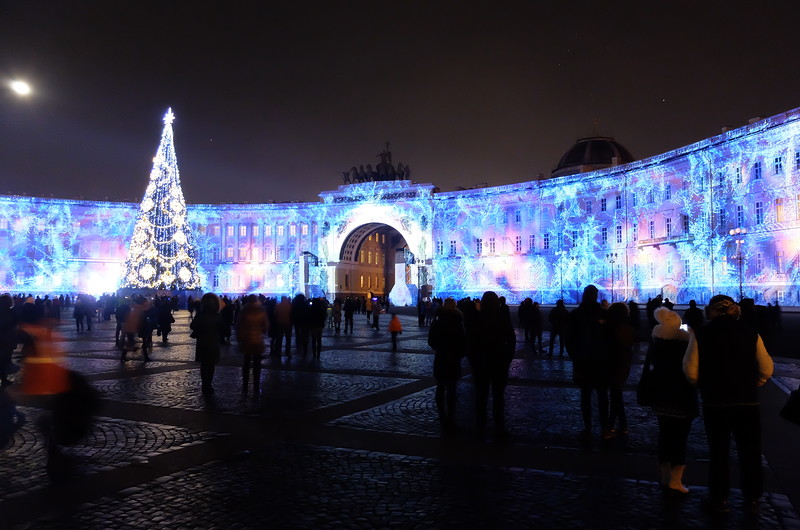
(20, 87)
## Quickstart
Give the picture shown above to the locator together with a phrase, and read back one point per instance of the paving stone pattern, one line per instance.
(350, 440)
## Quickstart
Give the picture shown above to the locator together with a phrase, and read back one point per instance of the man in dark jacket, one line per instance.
(492, 343)
(728, 361)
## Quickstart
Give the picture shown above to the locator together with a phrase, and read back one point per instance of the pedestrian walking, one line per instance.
(251, 326)
(395, 329)
(621, 338)
(206, 327)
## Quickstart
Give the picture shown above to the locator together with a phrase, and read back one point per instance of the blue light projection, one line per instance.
(656, 226)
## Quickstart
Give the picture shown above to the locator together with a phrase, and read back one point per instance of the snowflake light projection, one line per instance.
(657, 226)
(161, 252)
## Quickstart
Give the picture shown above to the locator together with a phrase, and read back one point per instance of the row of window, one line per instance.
(255, 230)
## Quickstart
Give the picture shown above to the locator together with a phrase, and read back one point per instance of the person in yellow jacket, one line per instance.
(395, 328)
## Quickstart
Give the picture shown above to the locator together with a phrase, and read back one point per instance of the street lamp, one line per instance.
(739, 234)
(560, 254)
(612, 259)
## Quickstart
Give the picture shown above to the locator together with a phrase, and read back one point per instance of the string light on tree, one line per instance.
(162, 254)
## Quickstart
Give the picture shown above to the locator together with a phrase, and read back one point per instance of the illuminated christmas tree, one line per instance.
(162, 254)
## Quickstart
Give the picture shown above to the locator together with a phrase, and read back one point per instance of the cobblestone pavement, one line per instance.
(351, 440)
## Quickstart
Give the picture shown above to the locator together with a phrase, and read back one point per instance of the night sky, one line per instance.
(275, 102)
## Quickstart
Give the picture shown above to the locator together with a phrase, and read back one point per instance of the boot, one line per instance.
(675, 480)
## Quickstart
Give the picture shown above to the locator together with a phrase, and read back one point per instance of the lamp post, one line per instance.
(612, 259)
(561, 272)
(739, 234)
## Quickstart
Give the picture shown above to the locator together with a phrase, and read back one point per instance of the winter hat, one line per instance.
(722, 305)
(669, 325)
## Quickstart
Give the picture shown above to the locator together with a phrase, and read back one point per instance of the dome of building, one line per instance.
(589, 154)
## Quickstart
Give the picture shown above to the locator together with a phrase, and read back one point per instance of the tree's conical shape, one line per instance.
(162, 254)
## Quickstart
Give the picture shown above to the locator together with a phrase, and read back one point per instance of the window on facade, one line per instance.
(667, 192)
(452, 247)
(479, 246)
(669, 267)
(280, 230)
(685, 219)
(760, 261)
(242, 230)
(619, 235)
(304, 229)
(721, 178)
(757, 170)
(668, 226)
(636, 233)
(604, 236)
(268, 253)
(440, 247)
(589, 205)
(778, 165)
(532, 239)
(618, 202)
(739, 215)
(229, 253)
(492, 246)
(215, 231)
(229, 231)
(633, 200)
(267, 230)
(281, 253)
(797, 160)
(738, 174)
(603, 204)
(722, 218)
(779, 214)
(518, 244)
(255, 230)
(574, 238)
(652, 226)
(292, 230)
(517, 216)
(687, 270)
(215, 280)
(651, 198)
(759, 213)
(546, 242)
(652, 267)
(779, 262)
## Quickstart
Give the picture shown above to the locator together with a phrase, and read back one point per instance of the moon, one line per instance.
(20, 87)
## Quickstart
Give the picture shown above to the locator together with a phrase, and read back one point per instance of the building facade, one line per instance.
(662, 225)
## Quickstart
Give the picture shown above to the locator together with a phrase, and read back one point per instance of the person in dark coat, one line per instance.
(537, 326)
(675, 402)
(9, 322)
(621, 338)
(492, 342)
(449, 342)
(558, 318)
(524, 318)
(165, 319)
(587, 347)
(206, 327)
(728, 361)
(317, 315)
(693, 316)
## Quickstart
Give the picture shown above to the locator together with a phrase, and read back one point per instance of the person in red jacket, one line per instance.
(395, 328)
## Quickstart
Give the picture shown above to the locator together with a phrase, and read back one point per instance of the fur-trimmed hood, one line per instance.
(669, 325)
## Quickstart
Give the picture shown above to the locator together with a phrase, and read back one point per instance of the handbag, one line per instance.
(647, 391)
(791, 410)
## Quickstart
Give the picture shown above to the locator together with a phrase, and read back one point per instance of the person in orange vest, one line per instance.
(395, 328)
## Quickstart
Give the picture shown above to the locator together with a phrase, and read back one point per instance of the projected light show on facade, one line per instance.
(719, 216)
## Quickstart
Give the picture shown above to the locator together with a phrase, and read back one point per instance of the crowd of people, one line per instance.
(716, 358)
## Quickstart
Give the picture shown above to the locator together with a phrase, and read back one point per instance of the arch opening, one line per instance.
(371, 261)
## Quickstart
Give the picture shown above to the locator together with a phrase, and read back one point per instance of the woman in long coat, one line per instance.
(449, 342)
(206, 327)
